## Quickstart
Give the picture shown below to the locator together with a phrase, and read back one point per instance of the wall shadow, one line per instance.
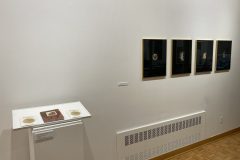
(14, 145)
(202, 73)
(20, 145)
(153, 78)
(222, 71)
(87, 151)
(180, 75)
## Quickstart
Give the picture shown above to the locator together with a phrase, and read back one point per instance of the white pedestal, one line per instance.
(66, 136)
(66, 144)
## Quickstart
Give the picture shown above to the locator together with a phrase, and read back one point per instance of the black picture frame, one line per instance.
(154, 53)
(181, 56)
(223, 55)
(204, 56)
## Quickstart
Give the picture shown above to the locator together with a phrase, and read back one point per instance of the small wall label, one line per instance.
(43, 135)
(122, 83)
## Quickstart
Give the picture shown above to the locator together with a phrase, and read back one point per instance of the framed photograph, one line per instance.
(154, 57)
(204, 56)
(181, 56)
(223, 55)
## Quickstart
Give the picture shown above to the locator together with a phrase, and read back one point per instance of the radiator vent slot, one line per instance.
(150, 141)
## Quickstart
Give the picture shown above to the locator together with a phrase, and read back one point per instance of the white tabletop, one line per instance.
(16, 114)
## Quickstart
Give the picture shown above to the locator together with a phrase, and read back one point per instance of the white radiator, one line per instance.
(153, 140)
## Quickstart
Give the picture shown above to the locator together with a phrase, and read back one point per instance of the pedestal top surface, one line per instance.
(35, 111)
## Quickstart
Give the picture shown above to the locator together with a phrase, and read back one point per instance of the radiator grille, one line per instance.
(159, 150)
(150, 141)
(167, 129)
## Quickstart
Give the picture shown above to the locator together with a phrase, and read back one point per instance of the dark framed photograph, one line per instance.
(223, 55)
(154, 57)
(181, 56)
(204, 56)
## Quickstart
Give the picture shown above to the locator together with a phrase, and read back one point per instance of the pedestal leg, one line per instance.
(31, 144)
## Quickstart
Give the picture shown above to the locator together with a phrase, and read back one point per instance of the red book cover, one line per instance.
(51, 115)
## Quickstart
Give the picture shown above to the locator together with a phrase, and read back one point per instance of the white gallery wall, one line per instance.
(58, 51)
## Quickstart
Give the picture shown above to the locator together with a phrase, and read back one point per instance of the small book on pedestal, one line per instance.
(51, 115)
(74, 113)
(28, 120)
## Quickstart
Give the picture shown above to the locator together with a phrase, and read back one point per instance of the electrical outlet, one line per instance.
(221, 119)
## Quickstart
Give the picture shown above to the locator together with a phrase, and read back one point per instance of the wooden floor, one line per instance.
(227, 148)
